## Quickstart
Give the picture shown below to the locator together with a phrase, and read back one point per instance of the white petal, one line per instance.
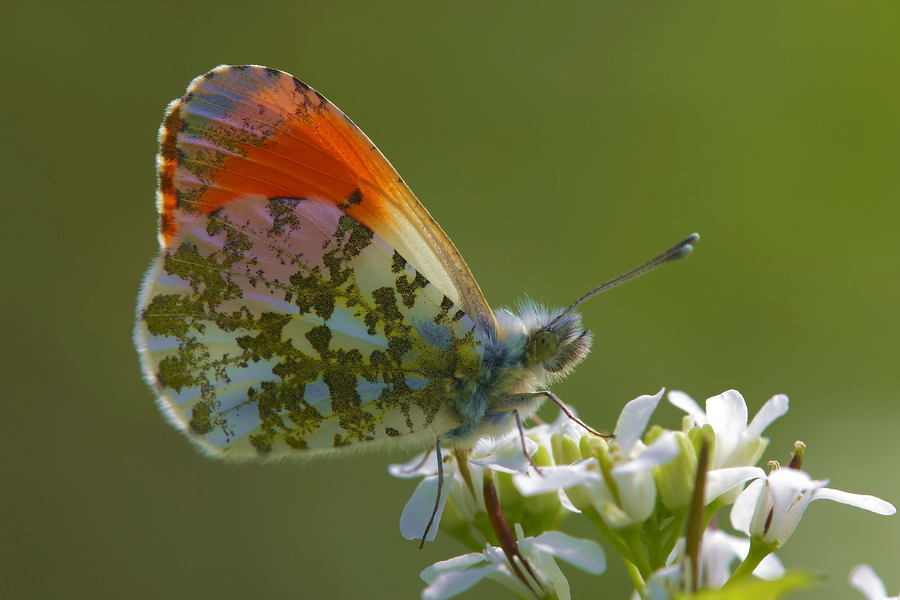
(553, 478)
(539, 433)
(452, 583)
(722, 480)
(745, 505)
(789, 488)
(688, 405)
(493, 555)
(587, 555)
(558, 582)
(727, 413)
(415, 468)
(543, 433)
(661, 581)
(418, 510)
(794, 479)
(633, 420)
(637, 494)
(719, 551)
(784, 524)
(864, 579)
(572, 430)
(486, 445)
(456, 563)
(676, 552)
(775, 407)
(727, 548)
(566, 503)
(664, 449)
(870, 503)
(509, 457)
(770, 568)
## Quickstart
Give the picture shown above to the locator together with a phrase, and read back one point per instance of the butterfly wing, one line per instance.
(281, 324)
(253, 130)
(303, 298)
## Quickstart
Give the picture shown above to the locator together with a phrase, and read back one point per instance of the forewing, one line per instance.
(272, 325)
(253, 130)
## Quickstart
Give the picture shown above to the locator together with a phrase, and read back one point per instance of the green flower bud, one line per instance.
(675, 479)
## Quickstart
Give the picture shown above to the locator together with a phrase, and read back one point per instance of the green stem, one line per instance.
(711, 509)
(636, 579)
(632, 538)
(652, 535)
(758, 551)
(614, 540)
(672, 533)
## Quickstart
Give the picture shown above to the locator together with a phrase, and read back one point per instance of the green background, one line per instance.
(558, 147)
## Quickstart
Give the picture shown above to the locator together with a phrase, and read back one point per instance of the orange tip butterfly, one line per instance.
(304, 302)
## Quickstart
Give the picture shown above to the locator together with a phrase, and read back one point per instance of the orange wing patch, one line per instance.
(232, 135)
(251, 130)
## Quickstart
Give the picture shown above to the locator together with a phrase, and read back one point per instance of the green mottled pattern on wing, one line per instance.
(281, 325)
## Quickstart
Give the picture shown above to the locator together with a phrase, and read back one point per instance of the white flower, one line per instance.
(771, 507)
(505, 456)
(737, 444)
(864, 579)
(629, 495)
(448, 578)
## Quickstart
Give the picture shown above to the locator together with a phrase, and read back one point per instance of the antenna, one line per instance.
(680, 250)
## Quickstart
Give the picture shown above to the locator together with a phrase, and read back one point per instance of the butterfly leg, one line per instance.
(522, 439)
(512, 403)
(454, 434)
(440, 490)
(498, 416)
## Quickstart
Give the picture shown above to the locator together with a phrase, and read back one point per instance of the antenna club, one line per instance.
(685, 251)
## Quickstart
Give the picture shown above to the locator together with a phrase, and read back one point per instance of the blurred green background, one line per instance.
(558, 146)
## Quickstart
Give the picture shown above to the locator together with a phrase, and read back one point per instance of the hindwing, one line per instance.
(272, 325)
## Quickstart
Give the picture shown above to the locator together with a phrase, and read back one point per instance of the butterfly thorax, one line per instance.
(528, 352)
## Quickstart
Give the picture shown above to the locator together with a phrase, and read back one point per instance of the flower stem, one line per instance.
(759, 549)
(696, 522)
(632, 538)
(653, 537)
(672, 531)
(591, 513)
(636, 579)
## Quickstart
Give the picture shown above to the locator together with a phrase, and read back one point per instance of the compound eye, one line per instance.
(542, 345)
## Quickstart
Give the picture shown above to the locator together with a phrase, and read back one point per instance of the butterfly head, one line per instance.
(555, 341)
(559, 344)
(552, 341)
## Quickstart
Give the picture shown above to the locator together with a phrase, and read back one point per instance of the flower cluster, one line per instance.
(651, 494)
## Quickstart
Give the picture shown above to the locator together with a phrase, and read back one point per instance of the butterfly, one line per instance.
(304, 302)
